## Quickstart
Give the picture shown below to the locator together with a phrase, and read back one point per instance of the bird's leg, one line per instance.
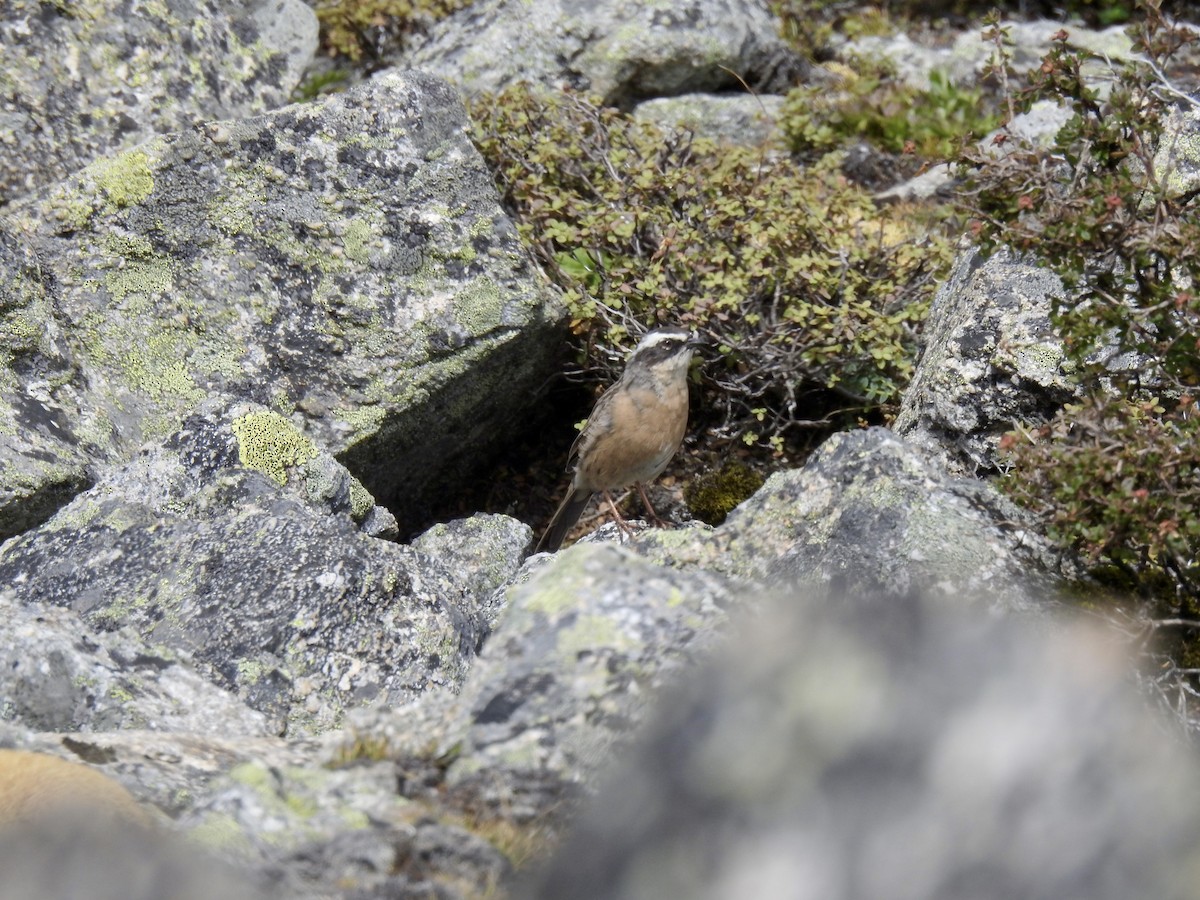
(655, 518)
(625, 527)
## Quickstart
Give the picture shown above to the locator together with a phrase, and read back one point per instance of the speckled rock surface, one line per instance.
(1177, 158)
(848, 750)
(622, 50)
(345, 263)
(965, 59)
(42, 465)
(58, 674)
(237, 543)
(485, 550)
(292, 820)
(991, 359)
(872, 512)
(586, 637)
(84, 79)
(114, 863)
(734, 118)
(342, 832)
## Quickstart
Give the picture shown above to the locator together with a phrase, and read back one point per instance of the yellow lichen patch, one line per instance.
(269, 443)
(125, 179)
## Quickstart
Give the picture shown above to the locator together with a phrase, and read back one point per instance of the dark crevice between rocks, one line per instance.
(31, 510)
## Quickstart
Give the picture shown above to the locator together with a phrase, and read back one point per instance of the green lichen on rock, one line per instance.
(356, 240)
(125, 179)
(269, 443)
(105, 186)
(479, 306)
(140, 276)
(361, 501)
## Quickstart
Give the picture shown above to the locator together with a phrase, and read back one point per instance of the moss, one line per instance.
(713, 495)
(269, 443)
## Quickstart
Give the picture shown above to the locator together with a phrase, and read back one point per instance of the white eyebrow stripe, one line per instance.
(654, 338)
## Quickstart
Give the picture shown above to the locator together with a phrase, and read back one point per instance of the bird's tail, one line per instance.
(564, 520)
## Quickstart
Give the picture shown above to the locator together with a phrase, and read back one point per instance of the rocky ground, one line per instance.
(247, 345)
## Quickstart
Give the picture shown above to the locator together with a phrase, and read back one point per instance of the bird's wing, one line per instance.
(596, 423)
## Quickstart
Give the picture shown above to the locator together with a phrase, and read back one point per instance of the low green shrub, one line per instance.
(873, 105)
(810, 296)
(1116, 477)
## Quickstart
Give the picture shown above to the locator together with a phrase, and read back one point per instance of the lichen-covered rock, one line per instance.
(343, 830)
(623, 50)
(967, 57)
(57, 674)
(736, 118)
(991, 360)
(252, 563)
(1177, 157)
(873, 512)
(345, 264)
(581, 644)
(846, 749)
(85, 859)
(42, 465)
(83, 79)
(485, 550)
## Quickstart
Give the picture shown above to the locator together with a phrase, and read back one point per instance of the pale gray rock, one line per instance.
(82, 80)
(343, 832)
(236, 541)
(1036, 128)
(80, 860)
(991, 360)
(854, 747)
(344, 263)
(172, 772)
(584, 640)
(42, 465)
(731, 118)
(965, 60)
(58, 674)
(288, 818)
(1177, 157)
(623, 50)
(870, 511)
(485, 550)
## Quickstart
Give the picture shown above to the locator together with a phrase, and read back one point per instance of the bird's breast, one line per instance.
(645, 429)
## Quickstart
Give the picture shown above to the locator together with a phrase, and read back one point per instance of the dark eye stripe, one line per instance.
(661, 352)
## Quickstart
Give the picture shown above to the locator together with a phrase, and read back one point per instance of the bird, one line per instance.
(634, 429)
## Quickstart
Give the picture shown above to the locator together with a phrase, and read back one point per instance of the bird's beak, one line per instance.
(695, 341)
